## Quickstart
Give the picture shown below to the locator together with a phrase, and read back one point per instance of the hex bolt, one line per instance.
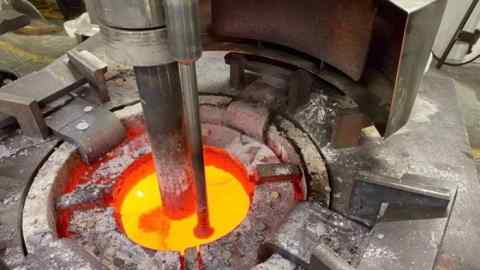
(82, 126)
(88, 109)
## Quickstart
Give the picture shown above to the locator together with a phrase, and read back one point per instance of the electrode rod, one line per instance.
(159, 89)
(188, 81)
(185, 46)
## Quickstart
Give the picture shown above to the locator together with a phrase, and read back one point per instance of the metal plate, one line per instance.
(93, 129)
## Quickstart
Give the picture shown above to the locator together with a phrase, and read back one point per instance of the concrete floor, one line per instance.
(24, 54)
(467, 81)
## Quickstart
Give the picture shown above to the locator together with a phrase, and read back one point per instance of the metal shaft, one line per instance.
(159, 89)
(185, 46)
(188, 80)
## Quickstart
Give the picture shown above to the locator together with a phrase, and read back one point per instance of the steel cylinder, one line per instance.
(159, 89)
(183, 24)
(137, 48)
(188, 80)
(129, 14)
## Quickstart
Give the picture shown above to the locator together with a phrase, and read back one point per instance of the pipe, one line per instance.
(194, 144)
(185, 45)
(184, 29)
(162, 107)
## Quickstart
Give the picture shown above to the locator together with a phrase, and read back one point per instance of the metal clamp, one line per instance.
(93, 69)
(27, 112)
(94, 130)
(23, 98)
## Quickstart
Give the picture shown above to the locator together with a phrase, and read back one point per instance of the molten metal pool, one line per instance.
(138, 203)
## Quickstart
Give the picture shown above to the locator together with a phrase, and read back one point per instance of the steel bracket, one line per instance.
(94, 130)
(37, 89)
(27, 112)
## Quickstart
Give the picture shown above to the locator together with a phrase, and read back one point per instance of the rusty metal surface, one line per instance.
(331, 30)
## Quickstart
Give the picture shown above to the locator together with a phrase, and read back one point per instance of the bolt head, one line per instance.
(88, 109)
(82, 125)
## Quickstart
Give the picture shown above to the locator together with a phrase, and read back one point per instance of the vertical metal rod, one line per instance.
(185, 45)
(193, 133)
(159, 89)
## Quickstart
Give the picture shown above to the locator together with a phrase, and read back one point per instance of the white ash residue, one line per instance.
(12, 198)
(282, 171)
(122, 160)
(5, 151)
(315, 110)
(376, 252)
(100, 220)
(85, 193)
(424, 110)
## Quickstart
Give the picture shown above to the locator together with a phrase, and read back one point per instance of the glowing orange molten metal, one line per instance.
(138, 204)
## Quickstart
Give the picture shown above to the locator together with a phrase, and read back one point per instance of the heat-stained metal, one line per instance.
(135, 35)
(128, 14)
(183, 23)
(406, 31)
(397, 35)
(159, 89)
(136, 48)
(186, 47)
(334, 30)
(193, 131)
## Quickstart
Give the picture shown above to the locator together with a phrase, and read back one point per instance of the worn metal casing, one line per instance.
(137, 48)
(127, 14)
(331, 30)
(401, 45)
(183, 23)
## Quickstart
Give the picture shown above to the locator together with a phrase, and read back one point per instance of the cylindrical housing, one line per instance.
(137, 48)
(159, 89)
(183, 24)
(129, 14)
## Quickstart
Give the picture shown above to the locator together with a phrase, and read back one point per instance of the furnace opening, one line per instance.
(139, 211)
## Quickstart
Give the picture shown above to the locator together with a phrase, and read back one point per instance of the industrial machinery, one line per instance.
(296, 155)
(166, 78)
